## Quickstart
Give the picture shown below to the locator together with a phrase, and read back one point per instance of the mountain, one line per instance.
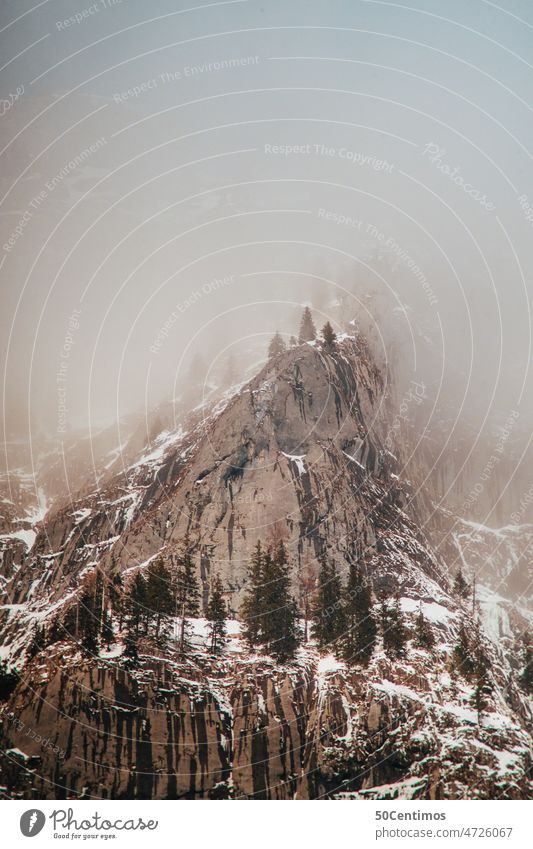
(308, 452)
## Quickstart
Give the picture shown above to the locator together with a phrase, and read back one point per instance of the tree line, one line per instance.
(346, 619)
(342, 617)
(148, 605)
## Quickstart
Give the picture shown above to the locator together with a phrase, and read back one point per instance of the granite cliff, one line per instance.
(307, 450)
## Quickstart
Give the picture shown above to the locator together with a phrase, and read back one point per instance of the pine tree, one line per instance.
(526, 676)
(393, 629)
(328, 614)
(216, 615)
(329, 335)
(97, 586)
(360, 627)
(82, 621)
(366, 626)
(186, 594)
(460, 586)
(277, 346)
(462, 656)
(307, 328)
(293, 342)
(385, 617)
(131, 654)
(54, 632)
(424, 638)
(186, 588)
(116, 598)
(135, 605)
(281, 634)
(349, 596)
(480, 674)
(159, 595)
(252, 607)
(88, 621)
(482, 689)
(399, 629)
(8, 680)
(307, 575)
(37, 642)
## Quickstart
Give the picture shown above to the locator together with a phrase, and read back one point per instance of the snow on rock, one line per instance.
(353, 459)
(396, 690)
(464, 714)
(493, 555)
(433, 612)
(327, 666)
(26, 536)
(410, 788)
(493, 613)
(163, 442)
(37, 513)
(143, 564)
(507, 761)
(298, 459)
(413, 711)
(478, 528)
(128, 514)
(200, 634)
(81, 515)
(114, 651)
(114, 454)
(19, 754)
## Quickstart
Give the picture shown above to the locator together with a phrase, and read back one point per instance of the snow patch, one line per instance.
(20, 754)
(299, 460)
(494, 615)
(114, 651)
(406, 789)
(328, 665)
(163, 442)
(433, 612)
(357, 463)
(143, 564)
(28, 537)
(396, 690)
(81, 515)
(38, 513)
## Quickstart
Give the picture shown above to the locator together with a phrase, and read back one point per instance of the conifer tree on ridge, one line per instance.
(216, 615)
(307, 327)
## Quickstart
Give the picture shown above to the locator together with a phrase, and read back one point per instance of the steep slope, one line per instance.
(298, 448)
(302, 452)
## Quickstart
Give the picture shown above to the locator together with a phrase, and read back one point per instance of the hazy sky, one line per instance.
(151, 149)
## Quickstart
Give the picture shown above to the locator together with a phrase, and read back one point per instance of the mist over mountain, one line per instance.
(266, 509)
(307, 460)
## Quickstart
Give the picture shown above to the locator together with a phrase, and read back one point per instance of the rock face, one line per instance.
(303, 451)
(255, 731)
(121, 736)
(299, 449)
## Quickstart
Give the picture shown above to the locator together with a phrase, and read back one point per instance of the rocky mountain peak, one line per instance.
(305, 453)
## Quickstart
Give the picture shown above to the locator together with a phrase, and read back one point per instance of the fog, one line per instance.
(181, 181)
